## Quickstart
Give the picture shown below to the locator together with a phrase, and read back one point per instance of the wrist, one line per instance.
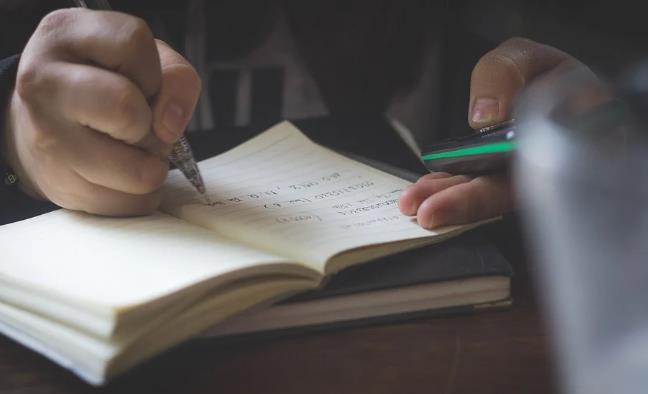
(15, 172)
(8, 68)
(12, 174)
(7, 175)
(15, 205)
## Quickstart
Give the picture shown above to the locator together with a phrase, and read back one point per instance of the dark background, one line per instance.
(363, 53)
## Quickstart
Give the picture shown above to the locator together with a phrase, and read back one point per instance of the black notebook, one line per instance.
(461, 275)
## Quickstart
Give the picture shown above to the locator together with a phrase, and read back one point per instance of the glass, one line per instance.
(581, 172)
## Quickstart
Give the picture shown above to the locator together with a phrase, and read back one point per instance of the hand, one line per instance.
(97, 105)
(441, 199)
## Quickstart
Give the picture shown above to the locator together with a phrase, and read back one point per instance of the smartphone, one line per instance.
(490, 149)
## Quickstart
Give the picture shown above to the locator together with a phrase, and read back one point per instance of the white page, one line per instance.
(71, 263)
(286, 194)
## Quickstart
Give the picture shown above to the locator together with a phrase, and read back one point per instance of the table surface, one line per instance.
(488, 352)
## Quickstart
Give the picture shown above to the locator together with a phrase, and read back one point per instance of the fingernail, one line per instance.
(174, 119)
(406, 208)
(485, 110)
(434, 219)
(403, 205)
(432, 224)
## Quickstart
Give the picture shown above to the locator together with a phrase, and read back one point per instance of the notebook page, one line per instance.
(281, 192)
(84, 269)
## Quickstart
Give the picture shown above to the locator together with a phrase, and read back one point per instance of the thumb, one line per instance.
(179, 92)
(503, 72)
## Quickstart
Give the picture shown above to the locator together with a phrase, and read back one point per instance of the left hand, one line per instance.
(442, 199)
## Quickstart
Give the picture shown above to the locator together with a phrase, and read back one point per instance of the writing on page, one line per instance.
(286, 192)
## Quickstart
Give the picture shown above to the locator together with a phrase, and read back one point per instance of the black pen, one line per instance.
(181, 156)
(490, 149)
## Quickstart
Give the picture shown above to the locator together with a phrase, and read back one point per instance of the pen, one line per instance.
(181, 156)
(488, 150)
(493, 147)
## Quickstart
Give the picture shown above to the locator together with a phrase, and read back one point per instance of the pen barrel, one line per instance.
(93, 4)
(182, 157)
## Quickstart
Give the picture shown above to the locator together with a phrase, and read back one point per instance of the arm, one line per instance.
(438, 198)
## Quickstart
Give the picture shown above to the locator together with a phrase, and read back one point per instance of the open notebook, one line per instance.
(99, 295)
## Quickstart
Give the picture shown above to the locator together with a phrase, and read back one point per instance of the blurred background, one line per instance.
(262, 61)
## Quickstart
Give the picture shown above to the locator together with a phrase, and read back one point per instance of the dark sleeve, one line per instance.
(18, 20)
(14, 204)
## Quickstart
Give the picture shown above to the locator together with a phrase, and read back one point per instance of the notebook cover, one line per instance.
(399, 318)
(466, 256)
(469, 255)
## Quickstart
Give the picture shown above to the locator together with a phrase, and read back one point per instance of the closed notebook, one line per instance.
(465, 274)
(100, 295)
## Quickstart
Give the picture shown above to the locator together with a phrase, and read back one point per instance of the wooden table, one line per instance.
(492, 352)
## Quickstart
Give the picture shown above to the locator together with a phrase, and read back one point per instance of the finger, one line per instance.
(106, 162)
(96, 98)
(482, 198)
(179, 92)
(99, 99)
(111, 40)
(99, 200)
(107, 202)
(413, 196)
(502, 73)
(433, 175)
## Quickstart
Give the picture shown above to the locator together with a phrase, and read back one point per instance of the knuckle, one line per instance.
(136, 34)
(517, 42)
(140, 29)
(459, 179)
(29, 82)
(505, 61)
(56, 20)
(45, 143)
(128, 115)
(434, 175)
(511, 58)
(193, 78)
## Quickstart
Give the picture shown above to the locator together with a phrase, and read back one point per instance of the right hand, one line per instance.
(97, 106)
